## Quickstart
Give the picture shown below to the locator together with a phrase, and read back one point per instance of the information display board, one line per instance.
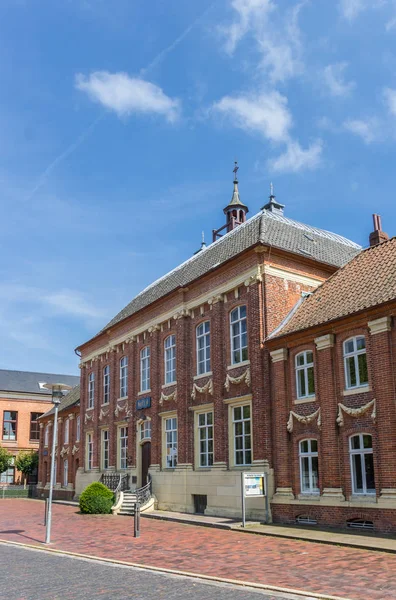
(253, 485)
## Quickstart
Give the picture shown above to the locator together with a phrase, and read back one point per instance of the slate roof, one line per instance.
(264, 228)
(27, 382)
(367, 281)
(71, 399)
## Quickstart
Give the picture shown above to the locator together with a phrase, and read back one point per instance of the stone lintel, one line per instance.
(278, 355)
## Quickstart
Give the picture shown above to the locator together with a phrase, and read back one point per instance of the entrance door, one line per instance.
(146, 460)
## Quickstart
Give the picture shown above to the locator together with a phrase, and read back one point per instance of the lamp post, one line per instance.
(57, 390)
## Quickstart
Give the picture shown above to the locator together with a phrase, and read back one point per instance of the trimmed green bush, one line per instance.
(96, 499)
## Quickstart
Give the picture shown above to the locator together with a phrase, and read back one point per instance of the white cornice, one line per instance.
(292, 276)
(26, 397)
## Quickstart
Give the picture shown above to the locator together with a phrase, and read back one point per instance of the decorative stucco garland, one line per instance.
(244, 377)
(304, 419)
(75, 449)
(164, 398)
(87, 417)
(207, 388)
(355, 412)
(103, 413)
(64, 451)
(119, 409)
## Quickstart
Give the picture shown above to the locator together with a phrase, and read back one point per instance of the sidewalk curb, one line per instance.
(238, 582)
(281, 535)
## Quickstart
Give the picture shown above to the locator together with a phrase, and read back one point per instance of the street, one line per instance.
(32, 574)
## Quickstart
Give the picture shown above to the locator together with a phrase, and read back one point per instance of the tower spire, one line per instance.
(273, 206)
(235, 210)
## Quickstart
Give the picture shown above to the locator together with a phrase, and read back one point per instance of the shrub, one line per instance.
(96, 499)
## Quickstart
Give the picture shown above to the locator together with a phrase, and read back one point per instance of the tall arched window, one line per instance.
(106, 384)
(46, 435)
(91, 390)
(305, 374)
(170, 359)
(65, 472)
(66, 432)
(145, 369)
(355, 362)
(309, 467)
(362, 464)
(238, 325)
(124, 377)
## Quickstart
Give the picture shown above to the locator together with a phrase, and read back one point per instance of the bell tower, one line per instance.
(235, 211)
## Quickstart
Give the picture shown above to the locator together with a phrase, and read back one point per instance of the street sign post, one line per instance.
(253, 485)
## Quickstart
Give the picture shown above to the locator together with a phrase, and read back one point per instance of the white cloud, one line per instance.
(296, 158)
(276, 35)
(127, 95)
(367, 129)
(70, 302)
(390, 99)
(265, 113)
(333, 77)
(350, 9)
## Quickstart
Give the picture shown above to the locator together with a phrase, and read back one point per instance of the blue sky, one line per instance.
(120, 121)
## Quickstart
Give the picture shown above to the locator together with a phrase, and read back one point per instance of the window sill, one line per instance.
(122, 398)
(166, 385)
(105, 404)
(357, 390)
(144, 392)
(305, 400)
(308, 496)
(240, 467)
(208, 374)
(244, 363)
(90, 408)
(363, 498)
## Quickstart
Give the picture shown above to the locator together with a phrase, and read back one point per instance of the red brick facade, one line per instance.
(373, 414)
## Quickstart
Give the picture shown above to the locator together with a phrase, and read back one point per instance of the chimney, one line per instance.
(377, 236)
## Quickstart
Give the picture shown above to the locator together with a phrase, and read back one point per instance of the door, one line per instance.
(146, 460)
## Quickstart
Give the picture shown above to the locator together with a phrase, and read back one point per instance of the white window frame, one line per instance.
(123, 447)
(170, 359)
(145, 430)
(106, 384)
(236, 339)
(310, 454)
(354, 354)
(65, 472)
(105, 449)
(203, 427)
(202, 334)
(170, 441)
(304, 368)
(91, 390)
(78, 428)
(124, 377)
(66, 431)
(46, 435)
(145, 359)
(233, 437)
(361, 451)
(89, 451)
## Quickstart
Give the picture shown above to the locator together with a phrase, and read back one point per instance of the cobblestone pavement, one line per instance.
(312, 567)
(29, 575)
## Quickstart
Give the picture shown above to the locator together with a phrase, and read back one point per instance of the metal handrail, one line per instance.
(144, 493)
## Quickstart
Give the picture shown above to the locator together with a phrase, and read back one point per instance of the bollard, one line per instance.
(136, 521)
(46, 511)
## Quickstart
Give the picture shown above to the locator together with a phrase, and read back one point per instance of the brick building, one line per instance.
(67, 457)
(175, 385)
(333, 397)
(22, 401)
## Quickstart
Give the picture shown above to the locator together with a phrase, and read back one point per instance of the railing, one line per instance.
(144, 493)
(115, 482)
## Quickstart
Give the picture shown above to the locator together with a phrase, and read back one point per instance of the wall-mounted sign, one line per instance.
(143, 403)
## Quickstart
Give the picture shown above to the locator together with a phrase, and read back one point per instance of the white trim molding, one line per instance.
(278, 355)
(380, 325)
(324, 341)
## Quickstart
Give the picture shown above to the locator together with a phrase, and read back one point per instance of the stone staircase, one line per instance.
(128, 504)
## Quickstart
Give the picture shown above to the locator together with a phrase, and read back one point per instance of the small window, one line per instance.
(242, 435)
(171, 442)
(66, 432)
(205, 436)
(305, 374)
(170, 359)
(91, 390)
(145, 369)
(360, 524)
(305, 520)
(105, 448)
(309, 469)
(123, 447)
(124, 377)
(203, 348)
(355, 362)
(362, 464)
(239, 344)
(34, 426)
(10, 425)
(106, 384)
(78, 428)
(145, 430)
(65, 472)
